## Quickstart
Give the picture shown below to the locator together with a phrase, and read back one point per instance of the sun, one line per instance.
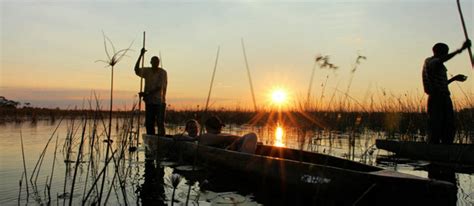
(279, 96)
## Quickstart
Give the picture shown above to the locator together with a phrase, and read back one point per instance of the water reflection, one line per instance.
(445, 174)
(152, 191)
(279, 137)
(169, 183)
(153, 179)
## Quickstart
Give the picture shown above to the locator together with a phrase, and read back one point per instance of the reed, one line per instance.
(78, 159)
(39, 162)
(323, 63)
(24, 168)
(354, 69)
(110, 62)
(52, 170)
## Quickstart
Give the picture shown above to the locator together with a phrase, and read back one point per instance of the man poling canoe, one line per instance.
(154, 94)
(441, 128)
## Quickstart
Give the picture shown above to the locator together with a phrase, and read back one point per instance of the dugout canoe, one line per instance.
(447, 153)
(336, 180)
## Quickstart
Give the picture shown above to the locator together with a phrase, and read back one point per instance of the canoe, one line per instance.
(327, 179)
(448, 153)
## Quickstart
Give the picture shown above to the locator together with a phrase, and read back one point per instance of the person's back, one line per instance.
(215, 138)
(191, 131)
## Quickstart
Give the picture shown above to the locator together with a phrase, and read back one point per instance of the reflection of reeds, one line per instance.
(175, 180)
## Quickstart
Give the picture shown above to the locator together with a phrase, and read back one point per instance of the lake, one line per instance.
(137, 181)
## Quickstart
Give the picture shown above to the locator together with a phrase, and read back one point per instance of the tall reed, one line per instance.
(111, 62)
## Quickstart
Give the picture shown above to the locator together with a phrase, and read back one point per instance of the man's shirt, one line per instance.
(156, 82)
(435, 79)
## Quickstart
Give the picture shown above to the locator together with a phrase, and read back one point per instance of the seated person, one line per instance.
(190, 131)
(214, 137)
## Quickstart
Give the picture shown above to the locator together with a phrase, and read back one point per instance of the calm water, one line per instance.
(153, 182)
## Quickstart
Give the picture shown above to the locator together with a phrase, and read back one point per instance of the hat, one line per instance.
(214, 122)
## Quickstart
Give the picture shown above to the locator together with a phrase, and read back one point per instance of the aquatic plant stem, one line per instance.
(78, 160)
(24, 167)
(52, 170)
(37, 167)
(109, 133)
(310, 85)
(102, 172)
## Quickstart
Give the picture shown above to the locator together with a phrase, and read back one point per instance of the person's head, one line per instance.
(440, 49)
(192, 128)
(214, 125)
(155, 61)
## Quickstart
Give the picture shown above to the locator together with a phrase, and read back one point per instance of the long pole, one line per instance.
(465, 32)
(205, 112)
(139, 98)
(248, 74)
(212, 80)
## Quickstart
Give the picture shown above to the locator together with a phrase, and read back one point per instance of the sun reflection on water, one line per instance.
(279, 137)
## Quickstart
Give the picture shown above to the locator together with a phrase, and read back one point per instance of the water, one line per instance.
(147, 182)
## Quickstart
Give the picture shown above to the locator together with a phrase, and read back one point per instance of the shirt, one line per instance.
(435, 79)
(156, 82)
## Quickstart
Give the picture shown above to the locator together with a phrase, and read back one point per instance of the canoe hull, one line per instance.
(324, 182)
(449, 153)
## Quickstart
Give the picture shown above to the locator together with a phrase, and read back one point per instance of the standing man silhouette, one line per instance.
(441, 128)
(154, 95)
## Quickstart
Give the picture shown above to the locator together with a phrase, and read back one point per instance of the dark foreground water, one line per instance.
(132, 180)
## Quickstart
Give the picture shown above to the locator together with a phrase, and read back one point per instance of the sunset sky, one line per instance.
(49, 48)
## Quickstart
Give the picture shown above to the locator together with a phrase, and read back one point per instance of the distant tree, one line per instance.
(6, 103)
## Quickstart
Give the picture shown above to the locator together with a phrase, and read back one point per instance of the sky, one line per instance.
(49, 49)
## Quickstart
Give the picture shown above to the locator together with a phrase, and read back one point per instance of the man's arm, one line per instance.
(137, 65)
(458, 77)
(465, 45)
(165, 84)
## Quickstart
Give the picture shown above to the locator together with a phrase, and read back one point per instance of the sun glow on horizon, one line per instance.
(279, 96)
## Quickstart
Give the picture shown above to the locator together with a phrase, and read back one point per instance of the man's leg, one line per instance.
(150, 112)
(449, 122)
(161, 119)
(434, 120)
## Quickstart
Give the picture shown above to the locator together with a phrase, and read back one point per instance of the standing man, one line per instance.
(441, 128)
(154, 95)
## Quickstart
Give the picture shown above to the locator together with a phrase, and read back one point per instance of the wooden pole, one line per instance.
(465, 32)
(248, 74)
(139, 98)
(212, 80)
